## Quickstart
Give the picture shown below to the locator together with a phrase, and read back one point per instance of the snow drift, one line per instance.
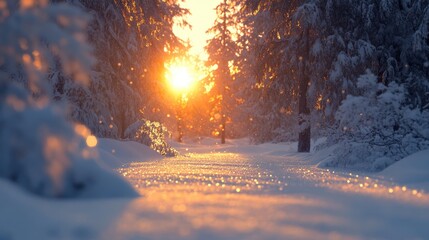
(413, 169)
(47, 155)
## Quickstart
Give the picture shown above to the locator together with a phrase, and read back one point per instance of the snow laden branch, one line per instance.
(378, 127)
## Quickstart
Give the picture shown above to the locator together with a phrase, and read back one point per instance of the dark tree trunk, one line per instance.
(225, 75)
(305, 135)
(180, 119)
(122, 124)
(222, 133)
(304, 140)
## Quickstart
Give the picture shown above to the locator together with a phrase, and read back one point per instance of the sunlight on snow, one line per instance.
(216, 192)
(239, 176)
(253, 192)
(361, 184)
(233, 173)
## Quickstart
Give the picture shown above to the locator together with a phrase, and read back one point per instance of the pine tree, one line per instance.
(221, 49)
(305, 21)
(126, 84)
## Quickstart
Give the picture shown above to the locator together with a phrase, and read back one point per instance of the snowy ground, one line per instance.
(235, 191)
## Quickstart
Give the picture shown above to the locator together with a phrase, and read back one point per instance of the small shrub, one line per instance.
(151, 134)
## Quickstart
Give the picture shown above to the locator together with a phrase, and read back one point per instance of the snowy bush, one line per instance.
(40, 150)
(45, 154)
(377, 127)
(151, 134)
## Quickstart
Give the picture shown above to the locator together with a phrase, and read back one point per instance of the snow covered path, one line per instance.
(235, 191)
(266, 192)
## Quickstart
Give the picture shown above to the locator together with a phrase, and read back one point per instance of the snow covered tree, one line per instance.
(126, 83)
(268, 99)
(151, 134)
(383, 39)
(221, 50)
(306, 22)
(286, 37)
(378, 127)
(319, 49)
(127, 79)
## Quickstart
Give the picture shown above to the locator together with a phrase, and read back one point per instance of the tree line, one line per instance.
(355, 72)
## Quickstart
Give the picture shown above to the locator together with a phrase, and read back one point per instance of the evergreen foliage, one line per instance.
(301, 62)
(129, 41)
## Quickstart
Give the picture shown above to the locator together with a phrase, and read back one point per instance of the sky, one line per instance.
(202, 18)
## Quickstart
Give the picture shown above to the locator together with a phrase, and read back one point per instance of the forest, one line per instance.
(299, 119)
(354, 73)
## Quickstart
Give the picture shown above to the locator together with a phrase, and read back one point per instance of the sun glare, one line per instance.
(180, 77)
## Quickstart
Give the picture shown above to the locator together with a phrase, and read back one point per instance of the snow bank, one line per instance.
(115, 153)
(413, 169)
(47, 155)
(24, 216)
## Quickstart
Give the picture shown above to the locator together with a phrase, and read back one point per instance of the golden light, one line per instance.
(91, 141)
(180, 77)
(202, 17)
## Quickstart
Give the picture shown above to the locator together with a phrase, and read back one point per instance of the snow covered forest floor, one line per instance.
(232, 191)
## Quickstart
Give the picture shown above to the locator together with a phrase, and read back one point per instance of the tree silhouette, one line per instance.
(221, 49)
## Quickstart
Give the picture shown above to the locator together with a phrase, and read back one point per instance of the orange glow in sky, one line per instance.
(202, 18)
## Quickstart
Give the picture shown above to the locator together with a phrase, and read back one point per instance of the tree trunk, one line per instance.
(225, 74)
(180, 119)
(122, 124)
(304, 140)
(222, 133)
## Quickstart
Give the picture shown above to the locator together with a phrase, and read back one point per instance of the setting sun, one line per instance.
(180, 77)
